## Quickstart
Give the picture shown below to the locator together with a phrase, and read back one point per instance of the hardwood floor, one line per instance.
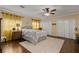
(13, 47)
(69, 46)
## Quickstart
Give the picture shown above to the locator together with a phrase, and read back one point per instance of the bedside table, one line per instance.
(16, 35)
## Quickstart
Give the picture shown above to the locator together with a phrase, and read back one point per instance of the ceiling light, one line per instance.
(46, 14)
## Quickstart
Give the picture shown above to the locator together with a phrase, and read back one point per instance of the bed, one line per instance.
(34, 36)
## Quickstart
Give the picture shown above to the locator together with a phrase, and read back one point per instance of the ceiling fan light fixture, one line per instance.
(46, 14)
(48, 11)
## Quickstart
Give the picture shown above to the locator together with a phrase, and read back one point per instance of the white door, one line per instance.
(60, 28)
(47, 25)
(66, 28)
(72, 29)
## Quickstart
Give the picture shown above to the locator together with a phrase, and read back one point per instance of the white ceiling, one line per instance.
(36, 10)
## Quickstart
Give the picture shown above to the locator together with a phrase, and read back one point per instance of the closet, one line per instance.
(66, 28)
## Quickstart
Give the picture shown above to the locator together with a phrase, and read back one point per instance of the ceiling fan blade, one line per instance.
(52, 13)
(22, 6)
(53, 10)
(43, 9)
(47, 10)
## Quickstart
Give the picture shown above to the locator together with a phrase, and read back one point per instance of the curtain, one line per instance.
(35, 24)
(9, 21)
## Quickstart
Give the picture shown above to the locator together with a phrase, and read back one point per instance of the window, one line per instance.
(35, 24)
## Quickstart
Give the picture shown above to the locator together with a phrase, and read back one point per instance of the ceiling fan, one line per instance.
(22, 6)
(48, 11)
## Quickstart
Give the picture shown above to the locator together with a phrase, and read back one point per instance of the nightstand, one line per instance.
(16, 35)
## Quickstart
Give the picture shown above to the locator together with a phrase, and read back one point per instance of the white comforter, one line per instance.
(34, 36)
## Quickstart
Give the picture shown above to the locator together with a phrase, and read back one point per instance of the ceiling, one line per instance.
(36, 10)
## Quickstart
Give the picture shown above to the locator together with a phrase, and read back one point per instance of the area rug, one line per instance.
(50, 45)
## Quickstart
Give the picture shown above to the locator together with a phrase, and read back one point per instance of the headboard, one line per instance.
(27, 27)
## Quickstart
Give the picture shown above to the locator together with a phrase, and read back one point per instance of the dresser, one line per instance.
(77, 36)
(16, 35)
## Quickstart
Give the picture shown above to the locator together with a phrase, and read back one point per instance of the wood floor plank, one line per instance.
(69, 46)
(13, 47)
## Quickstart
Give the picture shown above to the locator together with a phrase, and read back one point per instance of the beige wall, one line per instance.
(68, 17)
(54, 27)
(74, 17)
(26, 21)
